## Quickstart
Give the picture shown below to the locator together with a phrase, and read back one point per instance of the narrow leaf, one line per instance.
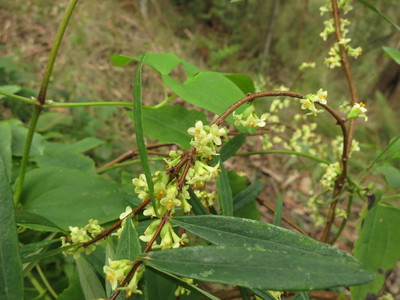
(37, 257)
(259, 268)
(30, 248)
(230, 148)
(11, 280)
(90, 284)
(128, 245)
(138, 123)
(224, 192)
(278, 210)
(5, 149)
(378, 247)
(393, 53)
(373, 8)
(248, 195)
(221, 230)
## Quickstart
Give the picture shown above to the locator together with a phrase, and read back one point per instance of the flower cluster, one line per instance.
(206, 138)
(201, 173)
(358, 111)
(331, 174)
(117, 270)
(205, 197)
(306, 65)
(334, 59)
(82, 235)
(249, 118)
(311, 99)
(337, 146)
(169, 239)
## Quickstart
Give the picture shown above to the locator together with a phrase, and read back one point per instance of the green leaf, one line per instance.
(197, 207)
(42, 255)
(128, 245)
(221, 230)
(265, 295)
(69, 197)
(278, 210)
(73, 291)
(65, 159)
(208, 90)
(11, 89)
(259, 267)
(169, 124)
(90, 284)
(183, 283)
(19, 135)
(158, 286)
(392, 175)
(231, 147)
(5, 148)
(30, 248)
(244, 82)
(373, 8)
(393, 53)
(138, 124)
(378, 247)
(224, 192)
(35, 222)
(50, 119)
(11, 280)
(248, 195)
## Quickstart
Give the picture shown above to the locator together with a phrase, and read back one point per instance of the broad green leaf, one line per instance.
(208, 90)
(392, 175)
(128, 245)
(373, 8)
(81, 146)
(11, 89)
(197, 207)
(65, 159)
(50, 119)
(278, 210)
(260, 268)
(231, 147)
(248, 195)
(69, 197)
(11, 280)
(224, 192)
(169, 124)
(30, 248)
(19, 134)
(138, 124)
(90, 284)
(5, 147)
(221, 230)
(182, 283)
(393, 53)
(378, 247)
(158, 286)
(244, 82)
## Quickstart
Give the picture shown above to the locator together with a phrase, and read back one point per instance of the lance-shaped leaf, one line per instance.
(261, 268)
(128, 245)
(225, 192)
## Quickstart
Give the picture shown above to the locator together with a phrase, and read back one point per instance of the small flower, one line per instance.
(181, 290)
(358, 111)
(116, 271)
(132, 287)
(127, 212)
(332, 172)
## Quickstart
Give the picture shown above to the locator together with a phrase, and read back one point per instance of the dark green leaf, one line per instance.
(259, 267)
(230, 148)
(138, 123)
(264, 295)
(378, 247)
(393, 53)
(11, 280)
(244, 82)
(90, 284)
(248, 195)
(69, 197)
(128, 245)
(158, 286)
(278, 210)
(39, 256)
(197, 207)
(5, 148)
(221, 230)
(30, 248)
(73, 291)
(301, 296)
(224, 192)
(169, 124)
(182, 283)
(373, 8)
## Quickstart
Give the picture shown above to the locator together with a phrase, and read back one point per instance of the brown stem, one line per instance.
(107, 232)
(147, 249)
(348, 137)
